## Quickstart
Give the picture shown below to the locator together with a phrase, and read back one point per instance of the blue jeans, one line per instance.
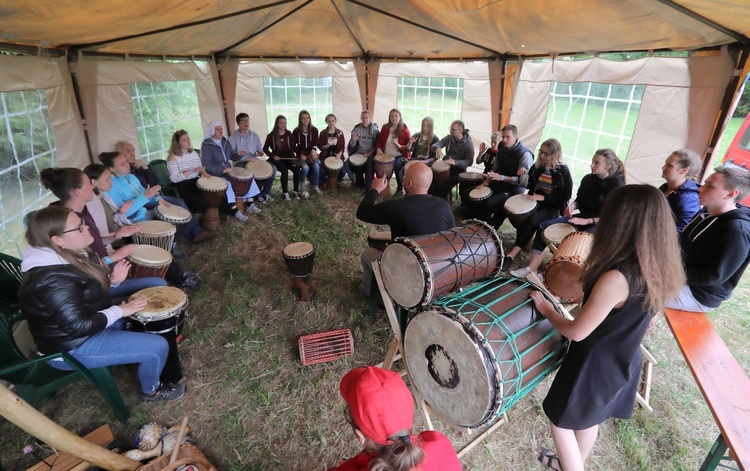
(116, 346)
(314, 173)
(129, 286)
(266, 190)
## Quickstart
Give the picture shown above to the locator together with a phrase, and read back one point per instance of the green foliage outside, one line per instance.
(743, 107)
(160, 109)
(439, 98)
(288, 96)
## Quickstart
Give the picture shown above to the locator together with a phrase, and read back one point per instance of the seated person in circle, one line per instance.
(364, 136)
(138, 167)
(380, 409)
(64, 296)
(679, 171)
(459, 154)
(246, 143)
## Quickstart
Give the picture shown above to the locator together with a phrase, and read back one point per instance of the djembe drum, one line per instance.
(240, 179)
(416, 270)
(262, 171)
(300, 258)
(473, 354)
(173, 214)
(519, 208)
(163, 315)
(441, 172)
(477, 196)
(383, 166)
(562, 275)
(470, 179)
(214, 191)
(358, 163)
(379, 240)
(157, 233)
(553, 235)
(333, 167)
(147, 261)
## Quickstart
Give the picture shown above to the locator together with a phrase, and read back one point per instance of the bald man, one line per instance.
(416, 214)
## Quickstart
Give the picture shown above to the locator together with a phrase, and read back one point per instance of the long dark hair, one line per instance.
(62, 181)
(49, 222)
(616, 168)
(300, 126)
(633, 218)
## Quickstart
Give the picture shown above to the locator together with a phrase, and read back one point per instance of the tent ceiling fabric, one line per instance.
(346, 28)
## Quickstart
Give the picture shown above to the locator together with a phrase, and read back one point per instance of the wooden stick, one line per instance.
(18, 412)
(181, 435)
(482, 436)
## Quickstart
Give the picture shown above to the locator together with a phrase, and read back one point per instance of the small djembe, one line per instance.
(299, 258)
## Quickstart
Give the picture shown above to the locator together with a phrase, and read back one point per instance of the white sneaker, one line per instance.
(305, 195)
(521, 272)
(286, 197)
(240, 216)
(296, 194)
(317, 190)
(268, 198)
(252, 209)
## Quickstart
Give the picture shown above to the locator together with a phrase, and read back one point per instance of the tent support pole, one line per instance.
(79, 103)
(726, 104)
(502, 95)
(221, 92)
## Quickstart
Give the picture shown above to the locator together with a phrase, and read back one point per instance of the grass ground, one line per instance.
(253, 406)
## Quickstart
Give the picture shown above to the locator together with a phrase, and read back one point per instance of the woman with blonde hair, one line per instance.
(627, 281)
(550, 185)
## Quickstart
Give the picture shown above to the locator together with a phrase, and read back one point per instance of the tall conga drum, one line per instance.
(262, 171)
(214, 191)
(473, 354)
(333, 168)
(358, 163)
(240, 179)
(418, 269)
(383, 166)
(163, 315)
(300, 258)
(519, 208)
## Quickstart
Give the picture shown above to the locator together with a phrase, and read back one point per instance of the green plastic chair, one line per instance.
(10, 279)
(34, 379)
(159, 166)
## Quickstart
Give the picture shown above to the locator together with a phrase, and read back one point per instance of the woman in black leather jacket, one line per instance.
(64, 296)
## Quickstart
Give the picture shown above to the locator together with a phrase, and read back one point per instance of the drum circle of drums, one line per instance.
(240, 179)
(214, 191)
(562, 275)
(379, 240)
(262, 171)
(473, 354)
(417, 269)
(383, 167)
(358, 162)
(157, 233)
(163, 315)
(173, 214)
(478, 195)
(333, 167)
(300, 258)
(555, 233)
(441, 172)
(147, 261)
(519, 208)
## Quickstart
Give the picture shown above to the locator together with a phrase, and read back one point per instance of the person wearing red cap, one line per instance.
(380, 410)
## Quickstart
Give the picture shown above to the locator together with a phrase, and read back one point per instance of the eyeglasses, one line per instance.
(455, 129)
(79, 228)
(541, 152)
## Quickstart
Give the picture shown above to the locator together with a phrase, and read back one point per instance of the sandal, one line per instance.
(548, 458)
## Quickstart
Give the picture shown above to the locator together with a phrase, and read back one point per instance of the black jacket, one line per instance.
(62, 304)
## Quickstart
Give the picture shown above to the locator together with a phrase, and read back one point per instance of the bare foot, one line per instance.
(549, 459)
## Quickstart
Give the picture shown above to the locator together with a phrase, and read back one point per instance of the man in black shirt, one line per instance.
(416, 214)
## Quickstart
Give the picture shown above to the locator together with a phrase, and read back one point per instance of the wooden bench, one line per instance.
(723, 383)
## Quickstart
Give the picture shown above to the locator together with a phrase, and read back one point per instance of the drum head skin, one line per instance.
(241, 173)
(357, 160)
(163, 302)
(440, 166)
(261, 169)
(298, 249)
(212, 184)
(555, 233)
(150, 255)
(333, 163)
(519, 204)
(470, 177)
(385, 158)
(404, 275)
(173, 213)
(157, 228)
(478, 194)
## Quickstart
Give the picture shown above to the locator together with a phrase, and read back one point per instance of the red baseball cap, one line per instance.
(379, 401)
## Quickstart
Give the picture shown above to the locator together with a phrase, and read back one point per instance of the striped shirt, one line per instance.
(182, 163)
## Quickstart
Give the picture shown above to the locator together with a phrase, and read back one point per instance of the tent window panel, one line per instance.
(160, 109)
(588, 116)
(27, 145)
(289, 95)
(438, 97)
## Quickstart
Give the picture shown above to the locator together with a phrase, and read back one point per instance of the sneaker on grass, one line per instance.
(252, 209)
(240, 216)
(166, 392)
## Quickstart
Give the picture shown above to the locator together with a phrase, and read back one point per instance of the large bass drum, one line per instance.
(473, 354)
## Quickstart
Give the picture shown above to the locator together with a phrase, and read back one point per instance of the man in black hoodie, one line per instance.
(716, 243)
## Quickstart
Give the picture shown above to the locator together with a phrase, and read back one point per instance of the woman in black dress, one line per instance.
(627, 281)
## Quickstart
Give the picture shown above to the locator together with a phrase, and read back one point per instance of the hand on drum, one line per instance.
(542, 304)
(379, 183)
(119, 272)
(122, 252)
(202, 172)
(128, 309)
(449, 161)
(521, 171)
(379, 152)
(494, 175)
(163, 202)
(580, 221)
(535, 197)
(126, 231)
(152, 191)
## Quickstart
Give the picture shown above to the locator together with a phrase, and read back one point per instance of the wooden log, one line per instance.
(33, 422)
